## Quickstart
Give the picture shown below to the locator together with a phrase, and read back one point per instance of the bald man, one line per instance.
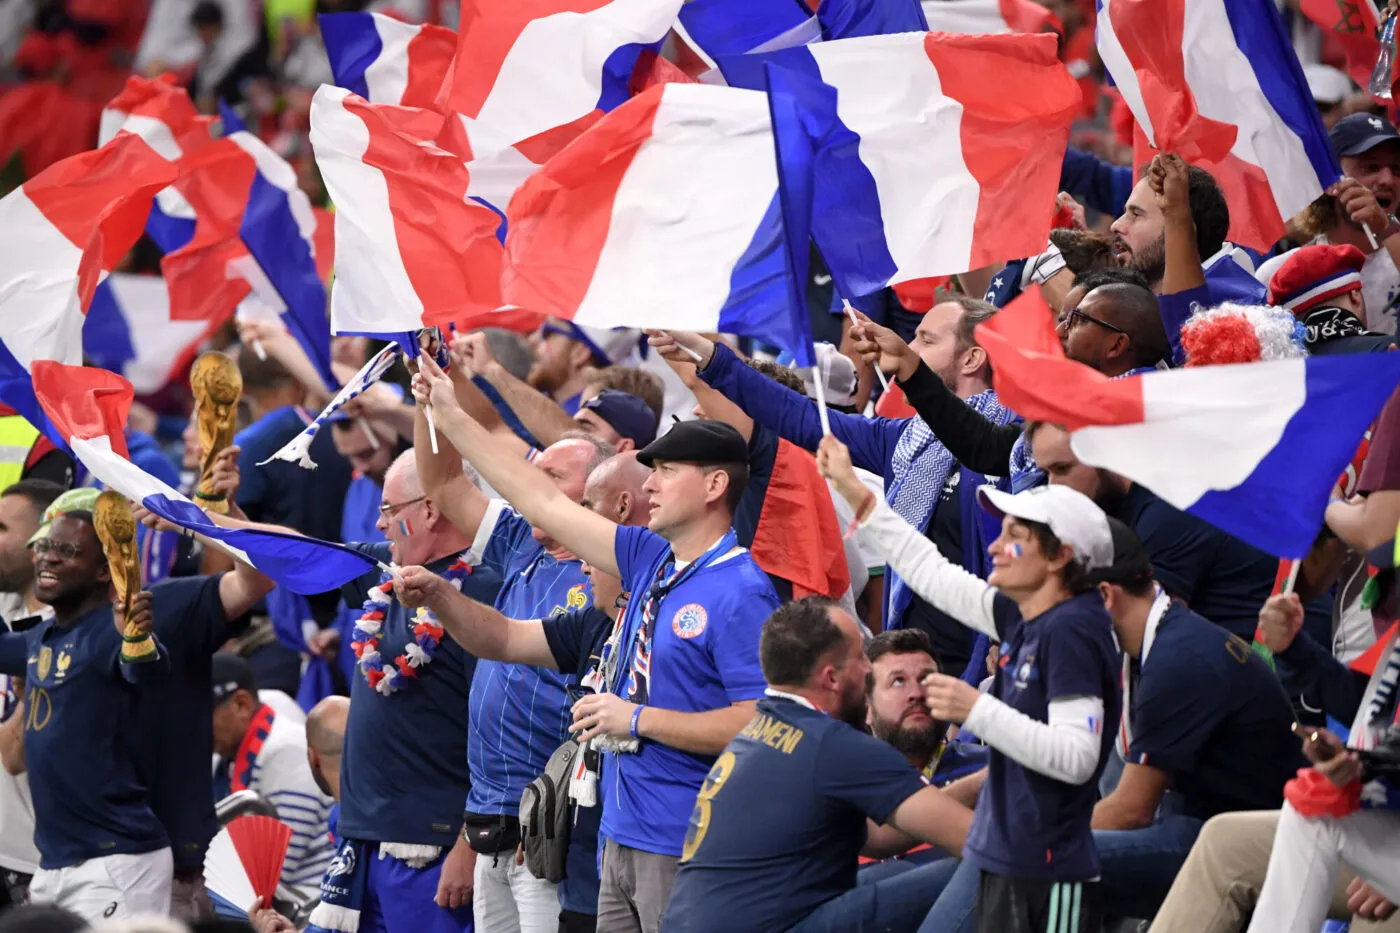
(325, 741)
(571, 642)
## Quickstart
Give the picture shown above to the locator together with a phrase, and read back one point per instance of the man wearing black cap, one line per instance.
(265, 752)
(686, 677)
(1368, 148)
(1205, 730)
(622, 420)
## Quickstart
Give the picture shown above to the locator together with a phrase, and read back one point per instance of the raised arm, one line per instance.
(443, 480)
(944, 585)
(538, 413)
(478, 628)
(532, 493)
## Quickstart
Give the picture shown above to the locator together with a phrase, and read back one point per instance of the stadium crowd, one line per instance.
(653, 650)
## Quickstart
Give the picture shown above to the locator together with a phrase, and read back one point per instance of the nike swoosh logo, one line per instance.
(822, 279)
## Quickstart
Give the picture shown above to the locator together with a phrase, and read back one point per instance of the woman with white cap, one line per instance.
(1054, 689)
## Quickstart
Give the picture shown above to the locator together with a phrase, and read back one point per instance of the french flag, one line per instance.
(411, 250)
(848, 19)
(531, 66)
(718, 28)
(162, 114)
(923, 166)
(989, 17)
(129, 331)
(1217, 82)
(89, 406)
(1252, 448)
(61, 233)
(386, 60)
(665, 214)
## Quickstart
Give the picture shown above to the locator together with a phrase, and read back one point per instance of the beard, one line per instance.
(852, 709)
(1110, 496)
(910, 741)
(321, 782)
(1151, 261)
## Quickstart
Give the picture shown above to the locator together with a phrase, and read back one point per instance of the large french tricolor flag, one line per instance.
(530, 66)
(923, 166)
(411, 251)
(663, 215)
(717, 28)
(61, 233)
(386, 60)
(1252, 448)
(89, 407)
(1217, 81)
(129, 331)
(989, 17)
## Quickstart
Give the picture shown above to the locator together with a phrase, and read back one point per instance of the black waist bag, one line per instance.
(491, 834)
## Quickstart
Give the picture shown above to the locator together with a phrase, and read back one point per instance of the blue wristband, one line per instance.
(636, 715)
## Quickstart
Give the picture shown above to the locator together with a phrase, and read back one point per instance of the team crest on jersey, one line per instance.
(577, 598)
(689, 620)
(1025, 672)
(45, 662)
(64, 659)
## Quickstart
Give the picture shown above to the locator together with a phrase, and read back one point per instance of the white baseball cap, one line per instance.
(1072, 516)
(1326, 84)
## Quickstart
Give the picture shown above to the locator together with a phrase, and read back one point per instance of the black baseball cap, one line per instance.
(1360, 132)
(230, 674)
(628, 415)
(697, 442)
(1130, 561)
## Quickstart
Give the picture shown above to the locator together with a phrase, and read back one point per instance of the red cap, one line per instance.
(1313, 274)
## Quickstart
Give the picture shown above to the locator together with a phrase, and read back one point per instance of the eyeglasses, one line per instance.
(389, 508)
(1067, 322)
(66, 550)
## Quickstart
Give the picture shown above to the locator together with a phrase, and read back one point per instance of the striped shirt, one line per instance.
(283, 778)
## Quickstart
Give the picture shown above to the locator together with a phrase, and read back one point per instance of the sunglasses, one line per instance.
(1067, 322)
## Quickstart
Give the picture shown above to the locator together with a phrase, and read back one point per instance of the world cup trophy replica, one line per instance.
(217, 386)
(116, 529)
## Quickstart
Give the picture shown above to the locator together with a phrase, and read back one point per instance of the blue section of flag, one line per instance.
(733, 27)
(1260, 34)
(846, 221)
(272, 236)
(230, 121)
(303, 565)
(793, 144)
(106, 335)
(17, 391)
(352, 45)
(1279, 506)
(846, 19)
(166, 232)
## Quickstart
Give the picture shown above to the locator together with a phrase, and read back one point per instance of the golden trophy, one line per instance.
(217, 386)
(116, 529)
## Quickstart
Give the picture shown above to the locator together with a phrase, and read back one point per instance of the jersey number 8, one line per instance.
(700, 816)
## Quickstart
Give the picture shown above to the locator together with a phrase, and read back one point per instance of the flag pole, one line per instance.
(1292, 580)
(1371, 236)
(821, 399)
(851, 313)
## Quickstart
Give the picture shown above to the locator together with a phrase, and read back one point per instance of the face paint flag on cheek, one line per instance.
(405, 528)
(1013, 550)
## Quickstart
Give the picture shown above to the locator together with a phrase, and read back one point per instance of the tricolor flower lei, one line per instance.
(418, 653)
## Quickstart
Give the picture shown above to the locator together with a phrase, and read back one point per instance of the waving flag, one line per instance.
(61, 233)
(161, 113)
(1252, 448)
(388, 61)
(411, 250)
(1232, 99)
(734, 27)
(530, 66)
(846, 19)
(989, 17)
(923, 167)
(298, 449)
(89, 406)
(128, 330)
(1355, 25)
(663, 215)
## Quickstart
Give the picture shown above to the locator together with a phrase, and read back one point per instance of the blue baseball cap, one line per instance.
(628, 415)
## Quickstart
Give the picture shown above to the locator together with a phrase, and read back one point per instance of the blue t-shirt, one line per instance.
(405, 761)
(576, 640)
(1209, 711)
(79, 718)
(519, 713)
(175, 742)
(1218, 576)
(778, 827)
(282, 493)
(702, 656)
(359, 518)
(1027, 824)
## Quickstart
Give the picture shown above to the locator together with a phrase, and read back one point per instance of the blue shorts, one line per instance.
(399, 899)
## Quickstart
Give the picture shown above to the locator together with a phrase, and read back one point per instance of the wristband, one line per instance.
(636, 715)
(137, 650)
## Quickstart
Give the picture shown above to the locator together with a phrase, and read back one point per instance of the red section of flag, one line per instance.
(1013, 144)
(783, 543)
(1151, 34)
(429, 65)
(917, 295)
(448, 243)
(1029, 16)
(515, 319)
(559, 219)
(84, 402)
(99, 201)
(1033, 378)
(1353, 25)
(1374, 655)
(652, 70)
(892, 404)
